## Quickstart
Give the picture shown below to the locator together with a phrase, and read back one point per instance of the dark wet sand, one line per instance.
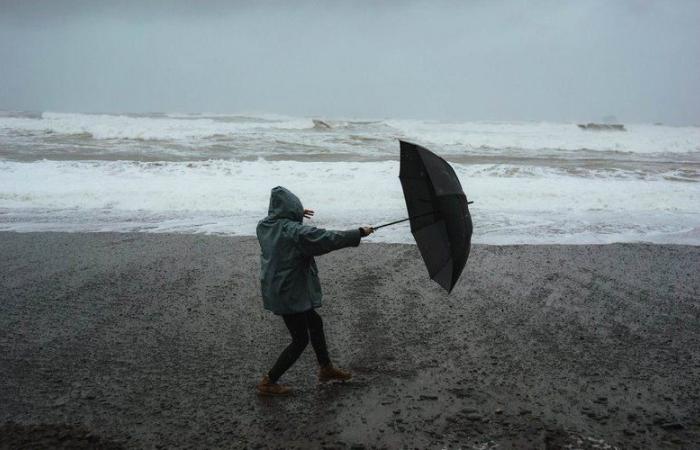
(145, 340)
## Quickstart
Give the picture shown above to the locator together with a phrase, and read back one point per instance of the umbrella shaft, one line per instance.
(408, 218)
(403, 220)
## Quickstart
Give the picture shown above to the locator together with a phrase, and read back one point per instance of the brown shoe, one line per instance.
(266, 387)
(328, 373)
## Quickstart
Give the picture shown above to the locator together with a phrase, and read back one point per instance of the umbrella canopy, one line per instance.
(438, 211)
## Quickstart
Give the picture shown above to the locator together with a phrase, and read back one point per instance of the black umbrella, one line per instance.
(438, 211)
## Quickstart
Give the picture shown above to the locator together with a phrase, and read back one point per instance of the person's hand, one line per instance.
(366, 231)
(308, 213)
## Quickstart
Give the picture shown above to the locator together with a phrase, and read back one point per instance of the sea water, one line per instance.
(531, 182)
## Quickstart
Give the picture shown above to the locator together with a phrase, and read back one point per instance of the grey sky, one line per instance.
(488, 60)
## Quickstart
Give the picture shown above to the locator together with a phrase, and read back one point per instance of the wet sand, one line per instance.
(141, 341)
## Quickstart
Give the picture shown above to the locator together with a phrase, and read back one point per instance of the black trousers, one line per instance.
(301, 326)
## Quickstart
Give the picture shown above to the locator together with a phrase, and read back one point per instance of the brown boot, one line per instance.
(328, 373)
(266, 387)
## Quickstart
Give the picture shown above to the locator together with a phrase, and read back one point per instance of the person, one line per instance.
(290, 284)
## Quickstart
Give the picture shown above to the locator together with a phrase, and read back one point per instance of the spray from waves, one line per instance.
(151, 127)
(202, 173)
(229, 197)
(533, 136)
(281, 135)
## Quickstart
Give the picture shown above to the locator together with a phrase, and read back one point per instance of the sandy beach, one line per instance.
(154, 340)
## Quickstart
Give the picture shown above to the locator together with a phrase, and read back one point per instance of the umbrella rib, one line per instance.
(449, 260)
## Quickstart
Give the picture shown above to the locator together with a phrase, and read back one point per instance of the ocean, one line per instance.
(531, 182)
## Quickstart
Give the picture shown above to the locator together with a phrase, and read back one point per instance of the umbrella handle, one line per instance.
(408, 218)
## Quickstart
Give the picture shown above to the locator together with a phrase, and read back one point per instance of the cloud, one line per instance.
(516, 60)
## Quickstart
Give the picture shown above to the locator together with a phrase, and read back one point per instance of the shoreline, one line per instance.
(142, 339)
(665, 241)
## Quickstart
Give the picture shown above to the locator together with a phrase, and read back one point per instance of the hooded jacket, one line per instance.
(288, 273)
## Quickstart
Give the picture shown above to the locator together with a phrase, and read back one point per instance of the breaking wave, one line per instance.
(212, 173)
(512, 204)
(152, 127)
(361, 136)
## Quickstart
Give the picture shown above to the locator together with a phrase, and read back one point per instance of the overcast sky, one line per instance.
(479, 60)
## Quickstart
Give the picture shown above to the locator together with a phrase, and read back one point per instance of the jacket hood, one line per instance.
(285, 205)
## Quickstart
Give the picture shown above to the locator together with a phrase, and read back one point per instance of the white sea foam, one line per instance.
(198, 173)
(107, 126)
(639, 138)
(289, 134)
(513, 204)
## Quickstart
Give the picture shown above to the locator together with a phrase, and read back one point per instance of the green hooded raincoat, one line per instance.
(288, 272)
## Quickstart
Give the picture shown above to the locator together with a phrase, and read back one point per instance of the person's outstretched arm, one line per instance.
(317, 241)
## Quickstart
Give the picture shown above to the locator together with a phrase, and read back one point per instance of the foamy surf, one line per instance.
(172, 137)
(513, 204)
(149, 127)
(211, 173)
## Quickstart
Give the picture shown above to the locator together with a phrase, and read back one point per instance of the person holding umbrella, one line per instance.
(440, 223)
(290, 284)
